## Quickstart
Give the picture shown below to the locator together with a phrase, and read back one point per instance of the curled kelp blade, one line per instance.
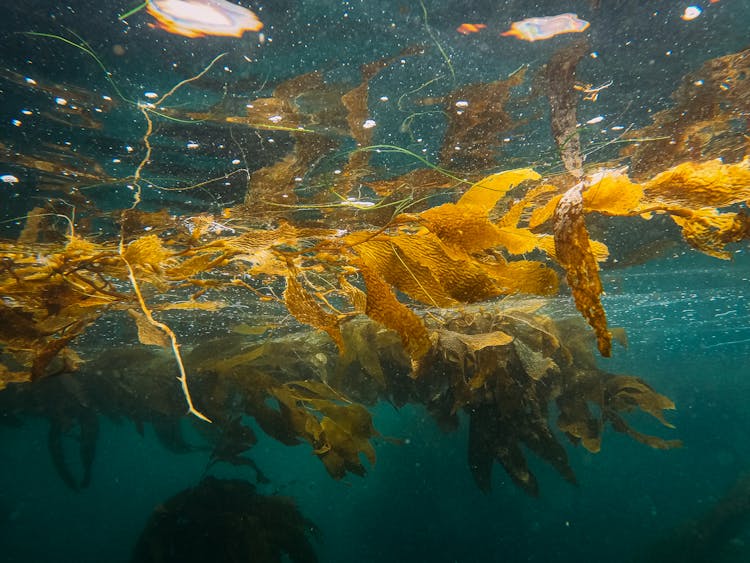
(198, 18)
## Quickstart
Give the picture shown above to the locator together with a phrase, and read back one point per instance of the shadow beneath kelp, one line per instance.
(716, 536)
(226, 520)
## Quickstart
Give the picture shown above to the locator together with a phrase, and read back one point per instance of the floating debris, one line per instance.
(199, 18)
(535, 29)
(691, 12)
(467, 28)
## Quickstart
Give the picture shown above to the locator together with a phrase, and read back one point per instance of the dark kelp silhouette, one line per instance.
(225, 520)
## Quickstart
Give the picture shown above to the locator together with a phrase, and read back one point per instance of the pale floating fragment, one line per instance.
(192, 145)
(8, 179)
(691, 12)
(369, 124)
(198, 18)
(151, 95)
(61, 101)
(534, 29)
(593, 120)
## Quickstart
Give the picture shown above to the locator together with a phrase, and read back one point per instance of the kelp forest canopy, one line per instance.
(328, 268)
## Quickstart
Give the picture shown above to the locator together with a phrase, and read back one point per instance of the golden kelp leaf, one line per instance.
(51, 348)
(573, 252)
(513, 216)
(535, 364)
(225, 365)
(8, 376)
(710, 231)
(487, 192)
(343, 431)
(466, 224)
(398, 267)
(147, 252)
(348, 429)
(476, 342)
(360, 338)
(148, 333)
(703, 184)
(458, 275)
(626, 393)
(541, 215)
(523, 276)
(383, 307)
(619, 424)
(306, 309)
(356, 296)
(80, 248)
(518, 240)
(611, 192)
(193, 305)
(30, 232)
(579, 423)
(464, 227)
(194, 265)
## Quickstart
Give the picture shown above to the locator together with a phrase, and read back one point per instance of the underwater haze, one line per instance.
(376, 281)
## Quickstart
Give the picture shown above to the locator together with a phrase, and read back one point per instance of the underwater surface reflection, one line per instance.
(386, 281)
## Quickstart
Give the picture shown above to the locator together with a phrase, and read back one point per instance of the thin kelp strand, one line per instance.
(90, 53)
(132, 11)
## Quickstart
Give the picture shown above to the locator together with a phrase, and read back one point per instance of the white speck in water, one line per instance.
(597, 119)
(369, 124)
(151, 95)
(8, 179)
(61, 101)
